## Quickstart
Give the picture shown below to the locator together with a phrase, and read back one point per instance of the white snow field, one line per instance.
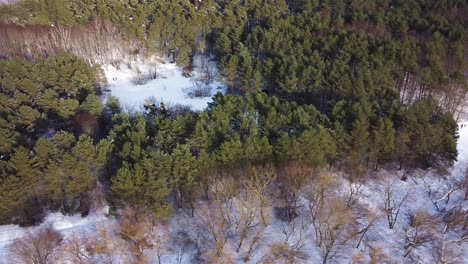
(135, 82)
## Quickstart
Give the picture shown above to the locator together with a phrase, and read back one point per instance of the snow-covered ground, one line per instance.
(66, 224)
(134, 83)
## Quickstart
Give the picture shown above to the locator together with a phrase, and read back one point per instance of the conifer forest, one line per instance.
(233, 131)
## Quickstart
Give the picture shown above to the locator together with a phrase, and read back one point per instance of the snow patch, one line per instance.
(66, 224)
(160, 80)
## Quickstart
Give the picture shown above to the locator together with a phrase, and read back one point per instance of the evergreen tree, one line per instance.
(184, 175)
(18, 184)
(383, 142)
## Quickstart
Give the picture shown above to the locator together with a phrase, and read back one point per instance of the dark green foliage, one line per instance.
(144, 184)
(184, 175)
(432, 134)
(36, 95)
(18, 183)
(383, 142)
(61, 173)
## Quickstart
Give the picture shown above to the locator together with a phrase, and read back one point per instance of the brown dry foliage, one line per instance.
(333, 227)
(377, 256)
(40, 247)
(423, 229)
(281, 252)
(214, 223)
(135, 227)
(97, 42)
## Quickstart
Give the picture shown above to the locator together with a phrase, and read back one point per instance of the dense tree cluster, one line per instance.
(58, 175)
(42, 95)
(42, 168)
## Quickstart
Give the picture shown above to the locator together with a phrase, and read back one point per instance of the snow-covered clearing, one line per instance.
(158, 79)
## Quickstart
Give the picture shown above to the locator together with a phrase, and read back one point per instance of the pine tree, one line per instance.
(184, 175)
(144, 184)
(92, 105)
(18, 183)
(383, 142)
(230, 152)
(257, 149)
(359, 144)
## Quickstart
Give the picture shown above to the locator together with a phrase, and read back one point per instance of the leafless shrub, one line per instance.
(377, 256)
(40, 247)
(199, 89)
(281, 252)
(136, 228)
(423, 228)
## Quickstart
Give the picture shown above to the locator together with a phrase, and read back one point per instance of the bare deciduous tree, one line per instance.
(393, 201)
(445, 250)
(295, 231)
(442, 190)
(40, 247)
(184, 244)
(318, 191)
(294, 176)
(254, 243)
(332, 228)
(256, 182)
(355, 191)
(103, 245)
(422, 230)
(135, 227)
(365, 221)
(449, 248)
(159, 239)
(75, 249)
(465, 184)
(211, 218)
(377, 256)
(246, 208)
